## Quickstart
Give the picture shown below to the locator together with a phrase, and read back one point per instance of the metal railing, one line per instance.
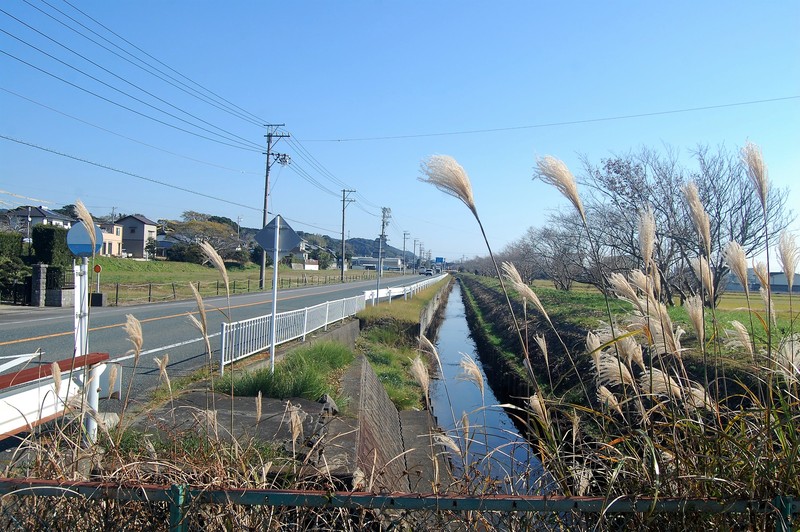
(47, 504)
(241, 339)
(405, 291)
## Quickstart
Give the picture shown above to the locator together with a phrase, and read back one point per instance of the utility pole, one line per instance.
(405, 235)
(345, 202)
(272, 158)
(414, 253)
(386, 213)
(421, 254)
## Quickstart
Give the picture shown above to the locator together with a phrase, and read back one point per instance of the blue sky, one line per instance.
(368, 89)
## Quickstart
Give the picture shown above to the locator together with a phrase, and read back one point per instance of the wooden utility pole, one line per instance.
(405, 236)
(345, 202)
(271, 159)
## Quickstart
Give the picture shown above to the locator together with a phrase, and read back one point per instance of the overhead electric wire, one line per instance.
(306, 176)
(101, 128)
(304, 154)
(125, 172)
(123, 106)
(104, 69)
(562, 123)
(185, 88)
(253, 118)
(119, 91)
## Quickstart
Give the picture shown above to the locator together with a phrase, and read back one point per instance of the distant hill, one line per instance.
(358, 247)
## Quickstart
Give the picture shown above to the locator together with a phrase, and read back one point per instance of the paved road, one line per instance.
(166, 328)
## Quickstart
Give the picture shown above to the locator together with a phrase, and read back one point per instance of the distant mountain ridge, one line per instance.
(359, 247)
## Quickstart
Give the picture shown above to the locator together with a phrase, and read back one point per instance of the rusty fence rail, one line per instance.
(45, 503)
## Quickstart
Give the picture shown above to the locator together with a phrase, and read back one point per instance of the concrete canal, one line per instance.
(492, 449)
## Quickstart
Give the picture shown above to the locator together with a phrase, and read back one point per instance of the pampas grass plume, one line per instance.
(760, 269)
(201, 324)
(542, 343)
(87, 221)
(699, 215)
(555, 173)
(133, 329)
(539, 408)
(606, 397)
(593, 347)
(739, 337)
(694, 307)
(703, 272)
(471, 371)
(787, 256)
(420, 372)
(525, 291)
(657, 382)
(611, 370)
(647, 235)
(443, 172)
(56, 370)
(756, 171)
(737, 262)
(446, 441)
(216, 260)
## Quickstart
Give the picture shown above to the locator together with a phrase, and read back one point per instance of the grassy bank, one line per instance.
(308, 372)
(389, 340)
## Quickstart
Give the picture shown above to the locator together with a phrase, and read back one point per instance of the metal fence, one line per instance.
(405, 291)
(244, 338)
(30, 504)
(59, 278)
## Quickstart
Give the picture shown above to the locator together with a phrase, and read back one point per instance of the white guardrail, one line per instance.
(241, 339)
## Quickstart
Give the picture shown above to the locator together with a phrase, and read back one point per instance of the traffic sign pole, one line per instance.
(273, 325)
(81, 245)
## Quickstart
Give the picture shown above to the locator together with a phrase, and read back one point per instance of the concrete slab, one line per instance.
(427, 465)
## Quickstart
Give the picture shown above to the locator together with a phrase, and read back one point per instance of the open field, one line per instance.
(126, 281)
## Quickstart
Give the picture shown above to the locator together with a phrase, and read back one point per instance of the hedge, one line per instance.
(50, 245)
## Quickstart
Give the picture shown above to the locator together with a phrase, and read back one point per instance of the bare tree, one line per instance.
(617, 190)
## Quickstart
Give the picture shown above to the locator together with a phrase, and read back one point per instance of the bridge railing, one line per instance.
(241, 339)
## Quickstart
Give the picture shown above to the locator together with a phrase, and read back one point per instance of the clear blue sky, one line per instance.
(402, 75)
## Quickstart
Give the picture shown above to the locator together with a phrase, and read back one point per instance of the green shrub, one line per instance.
(10, 244)
(50, 245)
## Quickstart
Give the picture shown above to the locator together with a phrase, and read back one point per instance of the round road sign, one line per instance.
(79, 242)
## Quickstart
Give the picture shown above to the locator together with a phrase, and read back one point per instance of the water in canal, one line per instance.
(510, 460)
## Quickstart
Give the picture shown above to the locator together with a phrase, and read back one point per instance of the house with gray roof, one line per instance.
(136, 231)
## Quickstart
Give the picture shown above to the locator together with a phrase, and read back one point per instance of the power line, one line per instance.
(146, 68)
(101, 128)
(117, 90)
(123, 106)
(304, 154)
(252, 117)
(562, 123)
(117, 170)
(230, 134)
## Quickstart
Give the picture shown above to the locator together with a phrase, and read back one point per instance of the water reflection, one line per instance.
(510, 461)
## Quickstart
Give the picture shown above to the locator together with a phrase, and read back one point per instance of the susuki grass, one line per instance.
(655, 425)
(652, 410)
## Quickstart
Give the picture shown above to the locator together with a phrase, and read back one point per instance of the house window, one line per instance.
(132, 230)
(118, 231)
